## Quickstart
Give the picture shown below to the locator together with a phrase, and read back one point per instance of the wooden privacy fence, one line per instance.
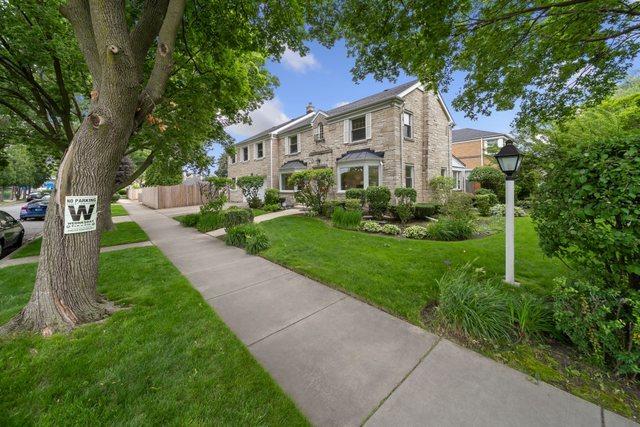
(133, 193)
(171, 196)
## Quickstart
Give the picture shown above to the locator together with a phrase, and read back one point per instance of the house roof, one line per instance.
(307, 119)
(457, 163)
(293, 165)
(468, 134)
(364, 154)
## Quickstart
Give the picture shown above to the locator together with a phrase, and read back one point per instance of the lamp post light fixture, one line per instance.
(509, 159)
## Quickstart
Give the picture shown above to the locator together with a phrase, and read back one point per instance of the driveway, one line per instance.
(32, 228)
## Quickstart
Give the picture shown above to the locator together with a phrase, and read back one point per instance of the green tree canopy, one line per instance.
(547, 56)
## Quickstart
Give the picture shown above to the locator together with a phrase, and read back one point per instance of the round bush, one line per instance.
(371, 227)
(390, 229)
(416, 232)
(378, 199)
(499, 210)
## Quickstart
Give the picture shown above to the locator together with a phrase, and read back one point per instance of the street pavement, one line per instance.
(32, 228)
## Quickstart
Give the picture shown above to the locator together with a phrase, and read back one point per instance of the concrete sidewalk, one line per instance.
(346, 363)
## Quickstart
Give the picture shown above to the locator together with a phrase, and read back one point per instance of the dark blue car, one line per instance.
(35, 209)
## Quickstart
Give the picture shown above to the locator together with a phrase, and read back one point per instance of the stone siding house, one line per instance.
(400, 137)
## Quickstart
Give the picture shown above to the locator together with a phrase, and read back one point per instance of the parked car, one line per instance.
(35, 209)
(34, 196)
(11, 233)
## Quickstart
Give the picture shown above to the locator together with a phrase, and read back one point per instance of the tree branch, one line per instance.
(613, 35)
(147, 27)
(65, 109)
(78, 14)
(135, 175)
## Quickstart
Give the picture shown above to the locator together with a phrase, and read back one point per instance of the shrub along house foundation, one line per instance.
(400, 137)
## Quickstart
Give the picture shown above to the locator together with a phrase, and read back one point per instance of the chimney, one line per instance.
(310, 108)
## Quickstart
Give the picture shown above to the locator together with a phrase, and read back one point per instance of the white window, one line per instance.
(292, 144)
(318, 132)
(358, 129)
(259, 150)
(245, 154)
(359, 176)
(284, 182)
(407, 125)
(408, 176)
(458, 176)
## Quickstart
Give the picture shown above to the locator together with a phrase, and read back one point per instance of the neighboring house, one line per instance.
(396, 138)
(471, 146)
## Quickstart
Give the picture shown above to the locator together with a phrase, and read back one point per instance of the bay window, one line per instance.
(358, 175)
(284, 182)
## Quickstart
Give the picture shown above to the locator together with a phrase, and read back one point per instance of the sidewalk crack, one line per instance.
(424, 356)
(297, 321)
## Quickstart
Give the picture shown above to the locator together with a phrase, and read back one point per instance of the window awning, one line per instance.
(360, 155)
(293, 165)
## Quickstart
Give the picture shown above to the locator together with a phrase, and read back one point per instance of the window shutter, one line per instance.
(367, 125)
(347, 131)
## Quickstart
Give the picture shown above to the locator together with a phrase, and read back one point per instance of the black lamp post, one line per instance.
(509, 159)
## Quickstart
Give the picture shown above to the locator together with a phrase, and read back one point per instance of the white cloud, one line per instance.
(268, 115)
(299, 64)
(340, 104)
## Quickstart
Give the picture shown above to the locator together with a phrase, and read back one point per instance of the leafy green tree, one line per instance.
(154, 67)
(547, 56)
(490, 178)
(312, 187)
(250, 186)
(163, 173)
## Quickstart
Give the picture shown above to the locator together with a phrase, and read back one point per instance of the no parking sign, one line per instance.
(80, 213)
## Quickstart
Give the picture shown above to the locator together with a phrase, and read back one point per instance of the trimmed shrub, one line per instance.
(272, 197)
(272, 207)
(416, 232)
(352, 205)
(449, 229)
(499, 210)
(250, 186)
(329, 206)
(235, 216)
(122, 192)
(459, 206)
(378, 199)
(424, 210)
(190, 220)
(493, 199)
(405, 197)
(490, 178)
(346, 219)
(257, 243)
(209, 221)
(115, 198)
(390, 229)
(248, 236)
(371, 227)
(483, 203)
(356, 193)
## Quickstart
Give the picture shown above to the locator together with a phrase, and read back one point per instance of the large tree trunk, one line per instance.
(65, 292)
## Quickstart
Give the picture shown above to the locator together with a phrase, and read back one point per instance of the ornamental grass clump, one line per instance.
(486, 309)
(248, 236)
(349, 220)
(449, 229)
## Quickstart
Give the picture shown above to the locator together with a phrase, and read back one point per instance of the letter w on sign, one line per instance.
(81, 211)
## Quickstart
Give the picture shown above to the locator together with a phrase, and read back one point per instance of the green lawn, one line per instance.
(166, 359)
(399, 275)
(124, 232)
(118, 210)
(258, 212)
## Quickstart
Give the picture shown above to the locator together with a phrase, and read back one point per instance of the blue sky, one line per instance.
(323, 78)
